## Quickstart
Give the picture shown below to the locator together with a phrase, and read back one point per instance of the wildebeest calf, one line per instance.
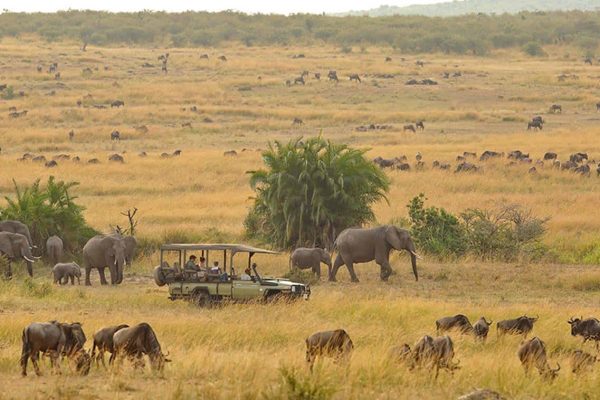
(336, 344)
(436, 353)
(518, 326)
(533, 353)
(459, 321)
(103, 341)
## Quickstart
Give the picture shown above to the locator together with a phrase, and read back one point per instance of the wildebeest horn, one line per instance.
(28, 259)
(415, 254)
(571, 320)
(558, 368)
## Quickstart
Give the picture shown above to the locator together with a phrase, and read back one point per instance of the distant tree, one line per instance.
(310, 191)
(534, 49)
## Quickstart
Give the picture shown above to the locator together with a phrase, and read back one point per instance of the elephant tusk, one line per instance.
(28, 259)
(37, 258)
(415, 254)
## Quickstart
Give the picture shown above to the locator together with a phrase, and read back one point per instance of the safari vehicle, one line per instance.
(207, 287)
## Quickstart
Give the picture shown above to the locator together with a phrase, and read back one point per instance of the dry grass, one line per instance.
(240, 351)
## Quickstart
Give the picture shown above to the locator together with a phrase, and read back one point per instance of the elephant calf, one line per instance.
(304, 258)
(64, 271)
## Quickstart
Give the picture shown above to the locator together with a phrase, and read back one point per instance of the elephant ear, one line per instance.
(6, 246)
(392, 236)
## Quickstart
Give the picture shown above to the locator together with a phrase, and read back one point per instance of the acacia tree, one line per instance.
(312, 190)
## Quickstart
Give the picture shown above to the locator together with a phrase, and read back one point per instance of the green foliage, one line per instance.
(311, 191)
(435, 230)
(31, 288)
(300, 385)
(465, 34)
(49, 211)
(8, 93)
(534, 49)
(503, 234)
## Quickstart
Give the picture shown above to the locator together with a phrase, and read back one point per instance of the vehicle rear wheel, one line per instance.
(202, 299)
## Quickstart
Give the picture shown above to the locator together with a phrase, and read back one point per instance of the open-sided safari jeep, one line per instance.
(205, 286)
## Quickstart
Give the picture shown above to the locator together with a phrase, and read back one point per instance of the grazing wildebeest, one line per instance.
(300, 80)
(39, 159)
(142, 154)
(466, 167)
(486, 155)
(436, 353)
(76, 159)
(578, 157)
(588, 328)
(336, 344)
(420, 63)
(115, 135)
(420, 125)
(136, 341)
(568, 165)
(388, 59)
(468, 154)
(318, 76)
(204, 56)
(538, 118)
(52, 338)
(437, 164)
(400, 353)
(409, 127)
(103, 341)
(297, 121)
(556, 108)
(518, 326)
(116, 158)
(231, 153)
(117, 103)
(354, 77)
(403, 167)
(550, 156)
(93, 161)
(177, 153)
(458, 321)
(581, 360)
(332, 76)
(51, 164)
(384, 163)
(533, 353)
(186, 125)
(535, 125)
(222, 58)
(481, 328)
(532, 170)
(583, 170)
(517, 155)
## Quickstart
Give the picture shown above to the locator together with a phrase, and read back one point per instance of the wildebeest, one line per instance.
(439, 165)
(332, 76)
(518, 326)
(51, 164)
(468, 154)
(186, 125)
(538, 118)
(420, 125)
(204, 56)
(581, 360)
(71, 134)
(222, 58)
(117, 103)
(458, 321)
(556, 108)
(318, 76)
(297, 121)
(587, 60)
(116, 158)
(481, 328)
(409, 127)
(532, 170)
(488, 154)
(137, 341)
(403, 167)
(388, 59)
(588, 328)
(39, 159)
(336, 344)
(436, 353)
(400, 353)
(535, 125)
(578, 157)
(583, 170)
(52, 338)
(550, 156)
(568, 165)
(354, 77)
(299, 80)
(103, 341)
(115, 135)
(177, 153)
(93, 161)
(231, 153)
(517, 155)
(466, 167)
(533, 353)
(384, 163)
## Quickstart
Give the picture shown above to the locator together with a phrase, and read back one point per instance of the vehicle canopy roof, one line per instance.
(231, 247)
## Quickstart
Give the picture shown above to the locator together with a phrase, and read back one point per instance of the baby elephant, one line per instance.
(64, 271)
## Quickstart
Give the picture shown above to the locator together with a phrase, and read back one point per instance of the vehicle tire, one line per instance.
(159, 276)
(274, 296)
(202, 299)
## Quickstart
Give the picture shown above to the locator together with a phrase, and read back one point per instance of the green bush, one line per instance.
(8, 93)
(534, 49)
(301, 385)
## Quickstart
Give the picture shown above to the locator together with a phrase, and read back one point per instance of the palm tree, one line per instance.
(310, 191)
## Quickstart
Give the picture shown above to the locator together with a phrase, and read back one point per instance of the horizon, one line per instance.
(175, 6)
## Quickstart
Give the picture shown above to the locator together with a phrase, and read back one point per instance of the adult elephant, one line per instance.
(104, 251)
(15, 246)
(357, 245)
(16, 227)
(54, 249)
(303, 258)
(130, 246)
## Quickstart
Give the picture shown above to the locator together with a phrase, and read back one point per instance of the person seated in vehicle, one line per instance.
(247, 275)
(191, 266)
(202, 263)
(215, 268)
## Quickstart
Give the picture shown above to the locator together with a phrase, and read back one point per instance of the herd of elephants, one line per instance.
(59, 340)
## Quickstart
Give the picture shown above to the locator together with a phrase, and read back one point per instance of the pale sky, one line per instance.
(249, 6)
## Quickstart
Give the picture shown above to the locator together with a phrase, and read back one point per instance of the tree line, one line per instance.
(468, 34)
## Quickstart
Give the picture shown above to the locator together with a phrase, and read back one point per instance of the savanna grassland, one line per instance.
(247, 351)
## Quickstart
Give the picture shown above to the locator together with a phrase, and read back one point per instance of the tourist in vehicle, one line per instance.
(247, 275)
(191, 265)
(202, 263)
(215, 268)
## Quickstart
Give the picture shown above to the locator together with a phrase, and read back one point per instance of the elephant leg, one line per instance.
(87, 276)
(102, 276)
(72, 279)
(339, 261)
(386, 270)
(9, 270)
(317, 270)
(350, 266)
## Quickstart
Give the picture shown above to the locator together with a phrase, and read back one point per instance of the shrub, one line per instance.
(299, 385)
(534, 49)
(8, 93)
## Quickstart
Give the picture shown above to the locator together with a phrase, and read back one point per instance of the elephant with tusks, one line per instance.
(304, 258)
(358, 245)
(14, 247)
(103, 251)
(17, 227)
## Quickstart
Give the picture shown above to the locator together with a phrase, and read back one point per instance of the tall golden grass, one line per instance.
(244, 351)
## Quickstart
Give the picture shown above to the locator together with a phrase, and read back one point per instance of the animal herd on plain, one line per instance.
(53, 161)
(60, 341)
(579, 163)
